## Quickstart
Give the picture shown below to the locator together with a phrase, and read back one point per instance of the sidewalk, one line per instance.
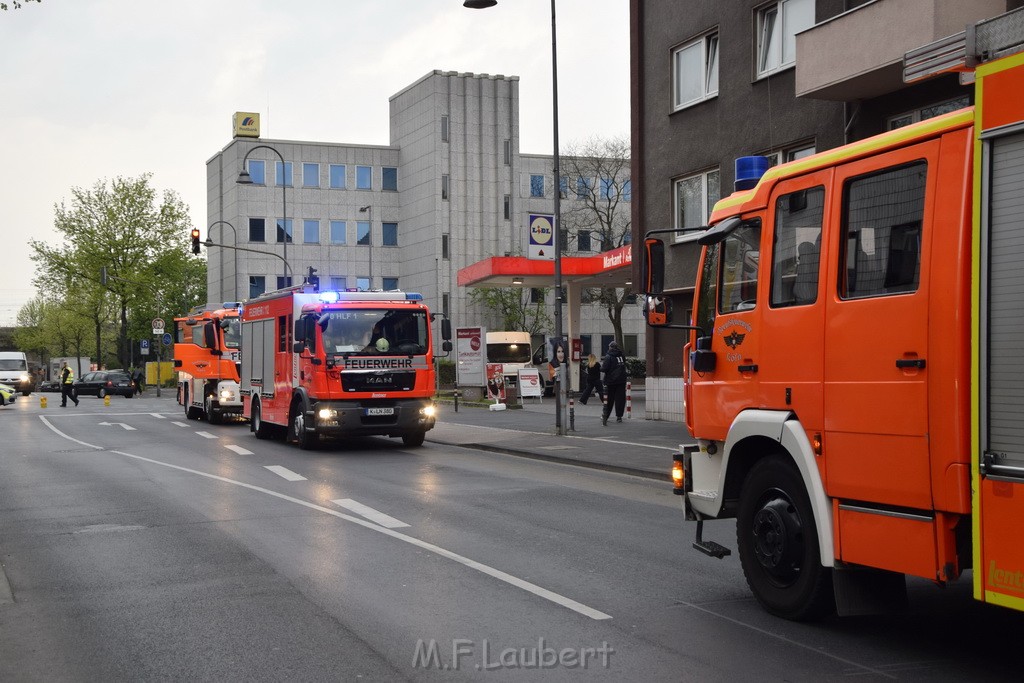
(635, 446)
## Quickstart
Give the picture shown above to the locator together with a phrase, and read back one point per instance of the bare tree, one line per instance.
(596, 213)
(514, 307)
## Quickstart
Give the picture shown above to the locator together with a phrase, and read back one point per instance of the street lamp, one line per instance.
(234, 276)
(562, 396)
(245, 179)
(368, 210)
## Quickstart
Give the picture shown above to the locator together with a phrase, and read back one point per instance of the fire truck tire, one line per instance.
(778, 544)
(414, 439)
(190, 412)
(212, 415)
(260, 428)
(307, 440)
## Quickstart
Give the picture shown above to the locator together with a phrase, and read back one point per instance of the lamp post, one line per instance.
(234, 278)
(562, 395)
(368, 210)
(245, 179)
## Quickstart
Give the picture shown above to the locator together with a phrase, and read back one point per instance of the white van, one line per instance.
(512, 350)
(14, 372)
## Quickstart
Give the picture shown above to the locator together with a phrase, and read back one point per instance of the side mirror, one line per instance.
(658, 310)
(298, 347)
(446, 346)
(446, 331)
(702, 358)
(210, 338)
(653, 272)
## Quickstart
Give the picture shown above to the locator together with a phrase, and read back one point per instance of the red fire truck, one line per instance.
(206, 356)
(852, 376)
(327, 364)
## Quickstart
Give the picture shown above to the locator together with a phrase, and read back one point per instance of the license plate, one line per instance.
(380, 411)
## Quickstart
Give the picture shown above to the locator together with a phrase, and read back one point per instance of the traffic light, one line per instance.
(195, 240)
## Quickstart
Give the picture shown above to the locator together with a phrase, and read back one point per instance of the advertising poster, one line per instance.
(471, 355)
(495, 383)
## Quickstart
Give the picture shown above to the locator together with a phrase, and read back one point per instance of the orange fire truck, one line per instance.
(206, 356)
(853, 374)
(339, 364)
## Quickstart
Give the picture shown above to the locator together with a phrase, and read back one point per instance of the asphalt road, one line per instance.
(136, 545)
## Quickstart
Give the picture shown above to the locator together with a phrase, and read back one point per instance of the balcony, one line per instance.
(859, 54)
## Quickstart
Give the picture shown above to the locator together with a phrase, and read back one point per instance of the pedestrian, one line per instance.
(594, 386)
(67, 385)
(614, 367)
(137, 380)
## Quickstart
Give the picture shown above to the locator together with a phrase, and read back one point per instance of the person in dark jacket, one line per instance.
(594, 386)
(614, 368)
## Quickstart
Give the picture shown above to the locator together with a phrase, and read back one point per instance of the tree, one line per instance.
(15, 4)
(597, 172)
(513, 307)
(119, 226)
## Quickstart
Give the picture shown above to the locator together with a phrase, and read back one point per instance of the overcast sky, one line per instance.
(95, 89)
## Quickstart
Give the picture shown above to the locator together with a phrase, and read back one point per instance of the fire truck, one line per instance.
(206, 356)
(852, 373)
(330, 364)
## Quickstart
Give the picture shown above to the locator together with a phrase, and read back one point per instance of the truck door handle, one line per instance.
(747, 368)
(910, 363)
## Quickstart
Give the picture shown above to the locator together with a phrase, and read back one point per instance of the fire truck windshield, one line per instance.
(233, 333)
(375, 332)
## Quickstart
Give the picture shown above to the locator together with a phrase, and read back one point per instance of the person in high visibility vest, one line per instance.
(67, 389)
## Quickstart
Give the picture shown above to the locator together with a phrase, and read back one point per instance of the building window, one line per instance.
(627, 191)
(629, 345)
(257, 229)
(507, 206)
(389, 235)
(507, 147)
(444, 128)
(257, 285)
(363, 233)
(789, 154)
(695, 71)
(337, 176)
(608, 189)
(444, 246)
(445, 308)
(338, 283)
(364, 177)
(283, 173)
(283, 282)
(389, 283)
(583, 187)
(285, 227)
(695, 197)
(536, 186)
(583, 240)
(928, 112)
(389, 179)
(310, 231)
(563, 187)
(536, 295)
(444, 187)
(337, 232)
(258, 171)
(777, 26)
(363, 284)
(310, 175)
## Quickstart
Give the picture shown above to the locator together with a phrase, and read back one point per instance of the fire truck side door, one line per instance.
(876, 329)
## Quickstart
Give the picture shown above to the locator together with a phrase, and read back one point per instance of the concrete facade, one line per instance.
(454, 140)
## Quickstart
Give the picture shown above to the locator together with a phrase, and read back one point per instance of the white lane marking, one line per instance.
(371, 514)
(207, 435)
(238, 449)
(180, 424)
(285, 472)
(158, 416)
(127, 428)
(532, 588)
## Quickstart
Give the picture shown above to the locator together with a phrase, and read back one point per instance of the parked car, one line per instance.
(7, 394)
(102, 383)
(50, 385)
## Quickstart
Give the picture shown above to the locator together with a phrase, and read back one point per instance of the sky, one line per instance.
(91, 90)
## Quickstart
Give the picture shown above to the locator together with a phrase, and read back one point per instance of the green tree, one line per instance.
(512, 309)
(142, 243)
(597, 172)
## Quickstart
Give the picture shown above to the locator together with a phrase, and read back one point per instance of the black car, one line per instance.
(103, 383)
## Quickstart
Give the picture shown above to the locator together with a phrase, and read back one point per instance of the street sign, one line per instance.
(144, 347)
(158, 325)
(167, 339)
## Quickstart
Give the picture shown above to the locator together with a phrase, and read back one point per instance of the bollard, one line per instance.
(572, 411)
(42, 401)
(106, 400)
(455, 394)
(629, 400)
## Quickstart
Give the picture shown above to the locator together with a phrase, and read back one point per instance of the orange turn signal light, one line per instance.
(678, 474)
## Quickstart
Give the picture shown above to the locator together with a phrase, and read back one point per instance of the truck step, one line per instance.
(712, 549)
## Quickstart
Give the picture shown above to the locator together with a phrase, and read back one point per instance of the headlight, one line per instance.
(227, 395)
(428, 411)
(327, 413)
(23, 378)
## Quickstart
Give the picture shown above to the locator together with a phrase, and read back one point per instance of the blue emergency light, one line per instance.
(749, 170)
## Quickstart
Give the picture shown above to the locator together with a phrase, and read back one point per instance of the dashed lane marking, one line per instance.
(371, 514)
(238, 449)
(285, 473)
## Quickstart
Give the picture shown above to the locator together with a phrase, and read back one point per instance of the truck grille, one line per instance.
(378, 381)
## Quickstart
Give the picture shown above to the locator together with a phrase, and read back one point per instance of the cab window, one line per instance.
(796, 247)
(741, 252)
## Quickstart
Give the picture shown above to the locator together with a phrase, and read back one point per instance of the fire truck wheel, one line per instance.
(212, 416)
(306, 440)
(778, 544)
(260, 428)
(414, 439)
(190, 412)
